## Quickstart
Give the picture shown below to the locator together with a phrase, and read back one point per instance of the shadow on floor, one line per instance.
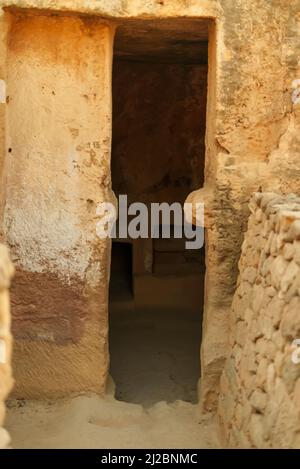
(155, 355)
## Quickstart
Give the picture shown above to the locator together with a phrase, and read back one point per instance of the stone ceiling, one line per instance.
(170, 41)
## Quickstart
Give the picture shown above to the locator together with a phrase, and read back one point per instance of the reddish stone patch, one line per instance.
(46, 309)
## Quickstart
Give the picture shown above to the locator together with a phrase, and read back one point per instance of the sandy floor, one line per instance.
(92, 422)
(155, 355)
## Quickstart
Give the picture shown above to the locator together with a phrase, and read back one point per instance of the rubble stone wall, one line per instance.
(259, 403)
(6, 381)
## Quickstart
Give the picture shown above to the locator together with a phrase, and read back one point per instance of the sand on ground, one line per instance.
(155, 355)
(90, 421)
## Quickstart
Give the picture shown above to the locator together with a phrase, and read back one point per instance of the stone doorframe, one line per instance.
(61, 64)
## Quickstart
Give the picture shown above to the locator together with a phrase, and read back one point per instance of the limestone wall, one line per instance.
(6, 271)
(56, 173)
(259, 404)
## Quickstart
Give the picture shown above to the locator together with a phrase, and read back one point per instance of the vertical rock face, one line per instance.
(161, 159)
(57, 171)
(6, 381)
(259, 402)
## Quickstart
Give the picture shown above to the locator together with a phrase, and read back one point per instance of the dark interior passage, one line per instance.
(157, 285)
(155, 354)
(121, 286)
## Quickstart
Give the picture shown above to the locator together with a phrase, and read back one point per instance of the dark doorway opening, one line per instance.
(158, 155)
(121, 285)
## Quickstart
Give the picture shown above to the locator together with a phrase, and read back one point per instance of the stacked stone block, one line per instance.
(259, 403)
(6, 381)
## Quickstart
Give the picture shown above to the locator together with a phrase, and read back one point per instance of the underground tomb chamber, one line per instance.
(158, 152)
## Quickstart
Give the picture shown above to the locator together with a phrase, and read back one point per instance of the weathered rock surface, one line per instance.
(6, 381)
(265, 382)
